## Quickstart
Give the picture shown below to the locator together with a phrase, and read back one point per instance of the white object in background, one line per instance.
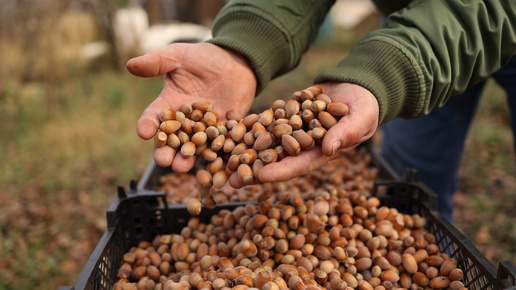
(160, 36)
(349, 13)
(94, 50)
(130, 25)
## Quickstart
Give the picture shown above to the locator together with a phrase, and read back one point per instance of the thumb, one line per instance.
(153, 63)
(358, 125)
(342, 136)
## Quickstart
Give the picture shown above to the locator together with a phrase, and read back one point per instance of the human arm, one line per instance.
(429, 52)
(409, 66)
(276, 44)
(425, 54)
(272, 34)
(190, 75)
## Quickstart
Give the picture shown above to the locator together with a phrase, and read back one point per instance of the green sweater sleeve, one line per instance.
(272, 34)
(428, 52)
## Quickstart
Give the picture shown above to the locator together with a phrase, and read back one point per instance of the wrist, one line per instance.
(243, 66)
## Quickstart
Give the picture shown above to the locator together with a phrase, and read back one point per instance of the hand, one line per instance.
(192, 72)
(354, 128)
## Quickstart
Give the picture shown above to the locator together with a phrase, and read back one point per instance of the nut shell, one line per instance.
(292, 108)
(326, 119)
(167, 114)
(268, 156)
(280, 130)
(160, 139)
(304, 139)
(199, 138)
(237, 133)
(266, 117)
(202, 106)
(218, 143)
(409, 263)
(248, 156)
(249, 120)
(170, 126)
(307, 95)
(296, 122)
(194, 206)
(245, 173)
(233, 115)
(210, 119)
(337, 109)
(290, 145)
(264, 141)
(188, 149)
(219, 179)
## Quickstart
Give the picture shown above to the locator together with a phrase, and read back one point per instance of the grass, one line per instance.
(485, 198)
(65, 158)
(69, 140)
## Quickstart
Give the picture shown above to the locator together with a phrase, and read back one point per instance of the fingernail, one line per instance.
(335, 147)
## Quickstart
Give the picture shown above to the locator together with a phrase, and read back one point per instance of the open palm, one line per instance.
(192, 72)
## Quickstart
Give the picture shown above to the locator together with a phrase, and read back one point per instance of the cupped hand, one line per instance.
(192, 72)
(354, 128)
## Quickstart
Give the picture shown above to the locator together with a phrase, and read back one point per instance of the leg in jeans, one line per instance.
(506, 78)
(433, 145)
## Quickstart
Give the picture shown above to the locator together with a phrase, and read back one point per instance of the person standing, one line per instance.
(433, 144)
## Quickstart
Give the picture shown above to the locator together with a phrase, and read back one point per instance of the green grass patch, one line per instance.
(67, 148)
(487, 178)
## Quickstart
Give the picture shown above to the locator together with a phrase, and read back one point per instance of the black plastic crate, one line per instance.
(139, 215)
(132, 217)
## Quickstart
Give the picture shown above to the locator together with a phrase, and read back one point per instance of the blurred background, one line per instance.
(68, 112)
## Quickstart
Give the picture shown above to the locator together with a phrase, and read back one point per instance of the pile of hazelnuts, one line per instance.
(244, 144)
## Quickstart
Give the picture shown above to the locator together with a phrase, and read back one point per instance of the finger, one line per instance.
(148, 124)
(163, 156)
(147, 127)
(236, 182)
(343, 135)
(183, 164)
(293, 166)
(154, 63)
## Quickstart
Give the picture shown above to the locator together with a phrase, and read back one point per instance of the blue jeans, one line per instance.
(433, 144)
